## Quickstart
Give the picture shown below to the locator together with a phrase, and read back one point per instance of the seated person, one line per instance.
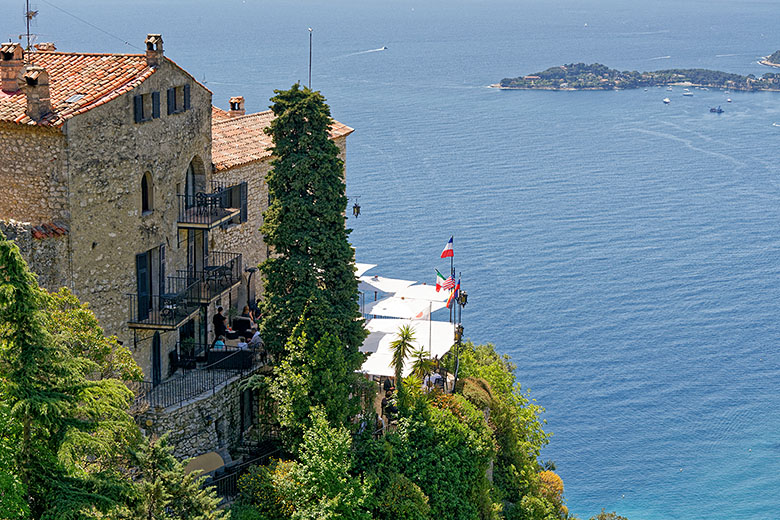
(220, 343)
(242, 344)
(246, 313)
(256, 341)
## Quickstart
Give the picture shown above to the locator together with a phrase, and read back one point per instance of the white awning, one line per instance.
(406, 308)
(436, 337)
(370, 284)
(423, 292)
(362, 268)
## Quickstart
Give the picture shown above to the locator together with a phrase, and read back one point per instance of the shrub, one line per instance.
(402, 499)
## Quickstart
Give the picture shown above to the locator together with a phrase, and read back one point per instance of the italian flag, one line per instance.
(439, 280)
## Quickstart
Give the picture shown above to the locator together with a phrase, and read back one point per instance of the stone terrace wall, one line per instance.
(32, 174)
(212, 423)
(48, 256)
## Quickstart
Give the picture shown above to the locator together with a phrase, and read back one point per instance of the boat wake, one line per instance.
(776, 124)
(659, 58)
(725, 55)
(363, 52)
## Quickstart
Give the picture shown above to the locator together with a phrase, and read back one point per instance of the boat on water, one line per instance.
(667, 100)
(384, 48)
(669, 88)
(689, 94)
(716, 110)
(728, 100)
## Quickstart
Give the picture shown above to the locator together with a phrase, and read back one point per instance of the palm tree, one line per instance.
(401, 348)
(422, 365)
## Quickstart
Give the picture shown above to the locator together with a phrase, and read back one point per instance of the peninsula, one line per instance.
(581, 76)
(773, 60)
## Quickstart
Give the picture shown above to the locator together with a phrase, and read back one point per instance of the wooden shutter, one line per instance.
(243, 201)
(138, 108)
(186, 96)
(161, 270)
(142, 280)
(171, 101)
(155, 105)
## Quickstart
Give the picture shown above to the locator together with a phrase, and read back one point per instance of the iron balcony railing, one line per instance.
(225, 480)
(186, 384)
(206, 210)
(221, 272)
(167, 310)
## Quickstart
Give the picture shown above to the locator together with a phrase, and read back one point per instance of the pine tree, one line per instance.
(67, 424)
(305, 225)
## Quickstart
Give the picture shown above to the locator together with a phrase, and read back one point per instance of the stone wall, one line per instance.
(108, 156)
(210, 423)
(48, 255)
(32, 174)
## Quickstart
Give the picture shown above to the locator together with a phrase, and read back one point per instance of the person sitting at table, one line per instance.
(242, 344)
(220, 343)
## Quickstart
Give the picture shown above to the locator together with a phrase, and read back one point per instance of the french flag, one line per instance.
(448, 250)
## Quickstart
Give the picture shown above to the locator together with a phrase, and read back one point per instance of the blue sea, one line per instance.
(624, 252)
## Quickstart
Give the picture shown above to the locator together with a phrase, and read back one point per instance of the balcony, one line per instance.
(221, 272)
(206, 210)
(166, 311)
(191, 384)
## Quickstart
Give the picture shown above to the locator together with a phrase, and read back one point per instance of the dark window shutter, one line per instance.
(155, 105)
(142, 279)
(138, 108)
(186, 96)
(243, 201)
(162, 269)
(171, 101)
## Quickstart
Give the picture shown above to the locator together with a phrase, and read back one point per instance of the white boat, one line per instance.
(669, 88)
(667, 100)
(728, 100)
(687, 94)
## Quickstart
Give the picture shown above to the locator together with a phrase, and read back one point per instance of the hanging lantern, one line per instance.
(356, 210)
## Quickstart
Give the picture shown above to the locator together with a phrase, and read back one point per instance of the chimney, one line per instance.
(154, 49)
(35, 83)
(11, 63)
(45, 46)
(237, 106)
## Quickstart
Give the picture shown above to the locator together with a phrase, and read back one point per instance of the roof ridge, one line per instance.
(128, 55)
(239, 118)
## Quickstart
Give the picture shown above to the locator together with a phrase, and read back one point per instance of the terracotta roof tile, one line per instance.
(49, 230)
(217, 114)
(236, 141)
(99, 78)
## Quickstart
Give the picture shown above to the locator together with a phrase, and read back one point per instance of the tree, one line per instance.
(321, 486)
(166, 492)
(401, 348)
(422, 365)
(608, 516)
(305, 225)
(67, 423)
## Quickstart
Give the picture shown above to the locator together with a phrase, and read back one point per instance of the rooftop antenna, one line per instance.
(29, 14)
(309, 57)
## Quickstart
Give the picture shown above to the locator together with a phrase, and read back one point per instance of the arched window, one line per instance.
(147, 193)
(189, 186)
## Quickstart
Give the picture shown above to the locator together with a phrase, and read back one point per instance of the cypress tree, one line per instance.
(305, 225)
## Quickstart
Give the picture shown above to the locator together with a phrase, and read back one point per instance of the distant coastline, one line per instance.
(595, 76)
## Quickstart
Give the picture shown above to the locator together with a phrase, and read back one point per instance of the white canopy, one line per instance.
(379, 363)
(362, 268)
(406, 308)
(369, 284)
(423, 292)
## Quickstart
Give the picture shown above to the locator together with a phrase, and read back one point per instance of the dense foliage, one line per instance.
(305, 224)
(576, 76)
(67, 439)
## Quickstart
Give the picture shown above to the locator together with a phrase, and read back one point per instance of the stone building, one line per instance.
(121, 182)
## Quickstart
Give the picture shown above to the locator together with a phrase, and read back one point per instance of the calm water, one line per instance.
(624, 252)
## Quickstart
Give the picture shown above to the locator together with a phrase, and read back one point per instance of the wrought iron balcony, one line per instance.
(206, 210)
(166, 311)
(221, 272)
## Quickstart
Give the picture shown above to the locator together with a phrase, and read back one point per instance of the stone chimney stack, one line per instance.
(11, 64)
(35, 83)
(237, 106)
(154, 49)
(45, 46)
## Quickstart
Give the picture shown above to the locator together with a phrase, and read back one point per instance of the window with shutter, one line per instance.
(138, 108)
(155, 105)
(243, 202)
(171, 101)
(186, 96)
